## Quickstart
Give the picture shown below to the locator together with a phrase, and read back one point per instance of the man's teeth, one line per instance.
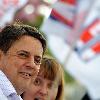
(26, 74)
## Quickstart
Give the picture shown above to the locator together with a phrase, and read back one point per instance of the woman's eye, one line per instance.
(37, 82)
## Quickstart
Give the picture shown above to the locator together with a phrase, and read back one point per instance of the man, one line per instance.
(21, 51)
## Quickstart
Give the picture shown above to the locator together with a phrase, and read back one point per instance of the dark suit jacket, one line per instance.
(86, 97)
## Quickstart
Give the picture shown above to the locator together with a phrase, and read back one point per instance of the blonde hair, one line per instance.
(52, 70)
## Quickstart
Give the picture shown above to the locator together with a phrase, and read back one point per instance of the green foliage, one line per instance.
(38, 21)
(68, 78)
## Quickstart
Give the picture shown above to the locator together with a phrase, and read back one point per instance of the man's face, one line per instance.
(22, 61)
(41, 89)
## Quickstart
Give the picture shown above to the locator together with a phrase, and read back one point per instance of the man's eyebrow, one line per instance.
(23, 51)
(26, 52)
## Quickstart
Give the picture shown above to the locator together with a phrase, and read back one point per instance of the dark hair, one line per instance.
(11, 33)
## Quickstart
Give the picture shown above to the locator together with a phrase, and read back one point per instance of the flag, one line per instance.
(64, 11)
(89, 33)
(66, 21)
(8, 9)
(62, 17)
(93, 51)
(75, 40)
(89, 42)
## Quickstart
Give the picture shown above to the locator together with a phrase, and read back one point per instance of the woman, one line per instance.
(49, 83)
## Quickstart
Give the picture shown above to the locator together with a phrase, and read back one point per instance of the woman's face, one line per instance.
(42, 89)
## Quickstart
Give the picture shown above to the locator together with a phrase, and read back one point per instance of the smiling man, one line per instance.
(21, 51)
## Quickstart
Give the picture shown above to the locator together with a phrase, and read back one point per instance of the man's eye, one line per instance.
(23, 55)
(37, 61)
(37, 82)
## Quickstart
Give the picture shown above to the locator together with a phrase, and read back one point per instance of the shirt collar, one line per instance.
(6, 85)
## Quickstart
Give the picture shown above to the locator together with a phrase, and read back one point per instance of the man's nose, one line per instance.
(32, 65)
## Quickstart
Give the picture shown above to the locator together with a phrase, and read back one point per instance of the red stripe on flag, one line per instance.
(72, 2)
(86, 36)
(61, 18)
(96, 48)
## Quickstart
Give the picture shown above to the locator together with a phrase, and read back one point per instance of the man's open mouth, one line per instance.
(25, 75)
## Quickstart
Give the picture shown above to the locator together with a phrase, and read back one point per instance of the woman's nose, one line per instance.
(44, 90)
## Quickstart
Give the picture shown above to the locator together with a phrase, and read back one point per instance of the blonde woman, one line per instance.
(49, 83)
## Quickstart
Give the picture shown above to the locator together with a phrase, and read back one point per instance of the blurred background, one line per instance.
(72, 30)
